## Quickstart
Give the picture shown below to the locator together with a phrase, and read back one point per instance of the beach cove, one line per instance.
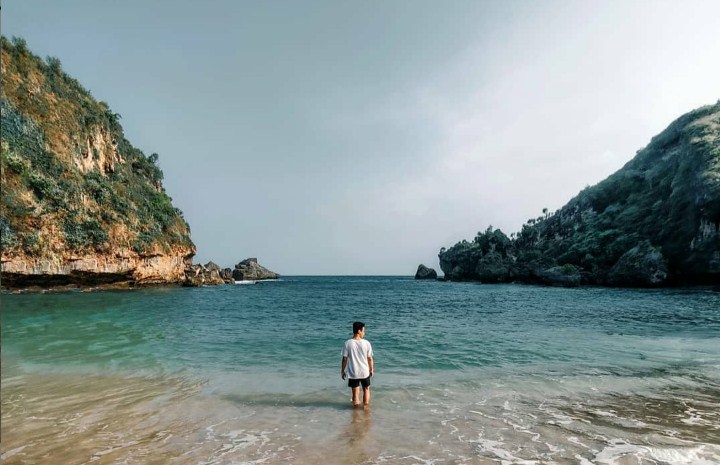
(465, 373)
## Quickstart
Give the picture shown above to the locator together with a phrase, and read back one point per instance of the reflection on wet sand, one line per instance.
(356, 436)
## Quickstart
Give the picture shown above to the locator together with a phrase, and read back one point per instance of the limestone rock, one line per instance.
(199, 275)
(226, 275)
(643, 266)
(423, 272)
(117, 267)
(212, 266)
(250, 270)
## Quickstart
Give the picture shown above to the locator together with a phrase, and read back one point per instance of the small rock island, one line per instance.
(423, 272)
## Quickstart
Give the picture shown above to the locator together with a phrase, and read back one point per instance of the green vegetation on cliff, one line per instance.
(72, 184)
(656, 221)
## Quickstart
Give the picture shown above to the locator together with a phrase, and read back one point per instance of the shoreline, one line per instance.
(131, 285)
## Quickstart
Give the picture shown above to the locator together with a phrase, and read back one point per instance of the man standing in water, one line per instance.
(357, 358)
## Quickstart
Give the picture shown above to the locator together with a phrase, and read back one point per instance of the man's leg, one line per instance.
(356, 396)
(366, 395)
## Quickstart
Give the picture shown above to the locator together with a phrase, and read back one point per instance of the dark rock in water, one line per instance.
(227, 276)
(643, 265)
(250, 270)
(566, 276)
(194, 276)
(198, 275)
(423, 272)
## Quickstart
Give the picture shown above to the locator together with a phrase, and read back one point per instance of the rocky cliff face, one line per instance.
(654, 222)
(117, 267)
(80, 204)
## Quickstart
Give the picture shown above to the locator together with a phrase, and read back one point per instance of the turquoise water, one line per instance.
(465, 373)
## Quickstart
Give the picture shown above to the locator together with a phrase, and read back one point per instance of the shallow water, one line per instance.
(465, 373)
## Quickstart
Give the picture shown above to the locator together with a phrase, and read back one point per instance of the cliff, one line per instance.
(80, 204)
(654, 222)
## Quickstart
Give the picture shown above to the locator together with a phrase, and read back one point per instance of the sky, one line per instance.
(358, 138)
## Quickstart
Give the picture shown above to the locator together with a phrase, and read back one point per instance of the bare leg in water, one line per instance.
(356, 396)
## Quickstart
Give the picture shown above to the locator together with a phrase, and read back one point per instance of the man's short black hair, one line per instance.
(357, 326)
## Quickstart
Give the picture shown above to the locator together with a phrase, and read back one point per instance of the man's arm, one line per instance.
(371, 365)
(342, 367)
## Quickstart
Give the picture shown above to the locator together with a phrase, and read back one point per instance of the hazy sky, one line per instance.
(343, 137)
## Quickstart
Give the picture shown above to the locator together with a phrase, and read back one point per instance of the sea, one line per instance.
(465, 373)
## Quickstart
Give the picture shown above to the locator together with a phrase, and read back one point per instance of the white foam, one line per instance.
(694, 418)
(98, 455)
(583, 461)
(12, 452)
(617, 452)
(505, 456)
(603, 413)
(229, 443)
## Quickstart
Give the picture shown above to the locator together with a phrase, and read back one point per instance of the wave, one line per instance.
(257, 281)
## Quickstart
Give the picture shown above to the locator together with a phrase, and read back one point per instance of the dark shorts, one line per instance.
(353, 383)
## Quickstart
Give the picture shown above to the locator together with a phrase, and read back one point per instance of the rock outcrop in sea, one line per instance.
(211, 274)
(203, 275)
(655, 222)
(423, 272)
(250, 270)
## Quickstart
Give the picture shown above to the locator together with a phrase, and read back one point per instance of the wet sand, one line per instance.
(79, 419)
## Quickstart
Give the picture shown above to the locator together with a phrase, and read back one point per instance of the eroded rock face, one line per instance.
(98, 151)
(122, 266)
(250, 270)
(643, 265)
(423, 272)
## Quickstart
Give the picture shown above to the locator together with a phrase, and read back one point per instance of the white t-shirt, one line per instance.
(357, 351)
